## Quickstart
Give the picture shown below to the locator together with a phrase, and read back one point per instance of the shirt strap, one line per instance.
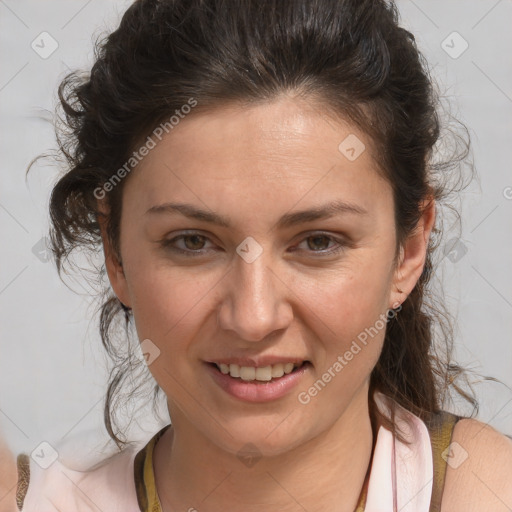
(361, 504)
(440, 428)
(145, 486)
(23, 465)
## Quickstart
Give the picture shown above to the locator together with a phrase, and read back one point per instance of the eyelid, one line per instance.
(341, 243)
(339, 240)
(167, 242)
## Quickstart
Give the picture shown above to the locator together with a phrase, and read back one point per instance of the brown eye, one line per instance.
(317, 241)
(318, 244)
(197, 242)
(193, 244)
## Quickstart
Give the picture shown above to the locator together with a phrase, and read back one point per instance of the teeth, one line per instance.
(263, 373)
(234, 370)
(249, 373)
(288, 367)
(277, 370)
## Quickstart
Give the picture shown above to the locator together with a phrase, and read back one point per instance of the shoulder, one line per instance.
(479, 470)
(7, 478)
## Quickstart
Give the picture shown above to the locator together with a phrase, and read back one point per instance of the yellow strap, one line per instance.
(441, 430)
(145, 486)
(362, 498)
(149, 479)
(23, 464)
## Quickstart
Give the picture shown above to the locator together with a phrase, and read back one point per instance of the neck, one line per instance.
(192, 473)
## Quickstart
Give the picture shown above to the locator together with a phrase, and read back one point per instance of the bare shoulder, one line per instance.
(479, 472)
(8, 479)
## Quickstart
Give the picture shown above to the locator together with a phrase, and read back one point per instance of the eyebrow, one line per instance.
(287, 220)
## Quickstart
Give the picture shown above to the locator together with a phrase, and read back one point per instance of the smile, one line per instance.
(264, 374)
(258, 384)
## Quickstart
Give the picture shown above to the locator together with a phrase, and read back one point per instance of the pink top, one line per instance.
(401, 476)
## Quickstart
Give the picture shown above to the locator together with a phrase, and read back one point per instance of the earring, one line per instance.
(398, 305)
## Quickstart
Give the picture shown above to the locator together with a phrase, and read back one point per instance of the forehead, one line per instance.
(280, 150)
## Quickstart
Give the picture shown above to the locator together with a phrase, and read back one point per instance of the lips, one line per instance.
(257, 390)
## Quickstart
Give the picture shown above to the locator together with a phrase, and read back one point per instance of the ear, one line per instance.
(413, 254)
(113, 265)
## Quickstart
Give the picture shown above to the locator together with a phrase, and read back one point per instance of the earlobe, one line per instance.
(413, 254)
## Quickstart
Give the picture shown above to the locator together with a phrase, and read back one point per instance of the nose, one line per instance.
(255, 300)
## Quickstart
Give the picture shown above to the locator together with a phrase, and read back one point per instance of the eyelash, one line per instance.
(191, 253)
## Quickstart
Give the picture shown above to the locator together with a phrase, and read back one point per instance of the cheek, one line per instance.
(174, 306)
(347, 314)
(351, 297)
(166, 302)
(168, 298)
(169, 309)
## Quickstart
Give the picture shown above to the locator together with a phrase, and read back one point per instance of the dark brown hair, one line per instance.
(351, 57)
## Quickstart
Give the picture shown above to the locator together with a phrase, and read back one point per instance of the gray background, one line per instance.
(52, 367)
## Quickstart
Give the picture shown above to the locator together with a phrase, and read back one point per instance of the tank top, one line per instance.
(140, 467)
(440, 429)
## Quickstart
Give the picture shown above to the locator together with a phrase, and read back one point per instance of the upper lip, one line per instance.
(258, 362)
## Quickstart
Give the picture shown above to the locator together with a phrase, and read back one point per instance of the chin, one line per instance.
(264, 437)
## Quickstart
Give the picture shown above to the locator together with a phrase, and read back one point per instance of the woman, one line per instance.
(259, 176)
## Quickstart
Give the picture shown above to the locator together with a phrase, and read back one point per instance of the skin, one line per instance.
(482, 480)
(8, 478)
(254, 165)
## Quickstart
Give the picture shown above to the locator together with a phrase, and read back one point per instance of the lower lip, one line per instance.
(257, 391)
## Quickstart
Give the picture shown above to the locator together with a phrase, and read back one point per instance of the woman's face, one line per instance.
(266, 283)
